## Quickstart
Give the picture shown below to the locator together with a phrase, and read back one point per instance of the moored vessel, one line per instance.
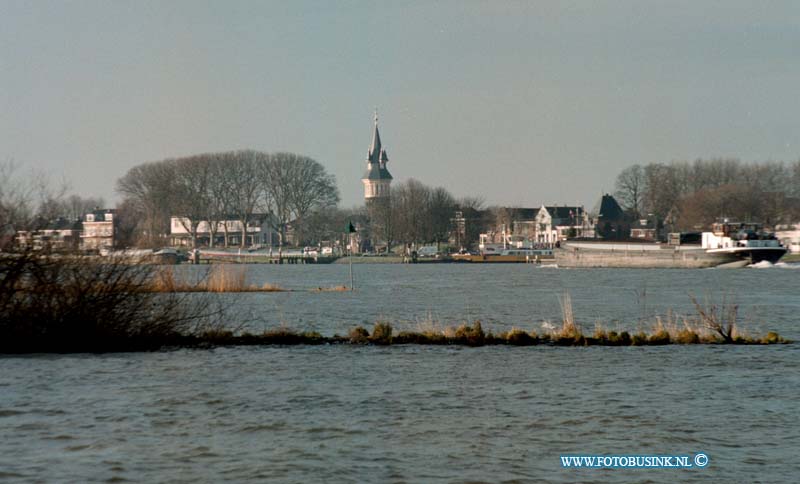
(727, 245)
(508, 255)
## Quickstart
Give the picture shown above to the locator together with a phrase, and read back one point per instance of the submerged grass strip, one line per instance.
(474, 335)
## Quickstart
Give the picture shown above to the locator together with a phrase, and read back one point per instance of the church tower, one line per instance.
(377, 179)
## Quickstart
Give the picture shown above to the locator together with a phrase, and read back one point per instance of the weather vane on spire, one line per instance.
(376, 115)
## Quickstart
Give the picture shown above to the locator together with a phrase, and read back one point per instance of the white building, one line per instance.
(98, 230)
(259, 232)
(553, 224)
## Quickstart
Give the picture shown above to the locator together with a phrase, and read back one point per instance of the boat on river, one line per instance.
(507, 255)
(727, 245)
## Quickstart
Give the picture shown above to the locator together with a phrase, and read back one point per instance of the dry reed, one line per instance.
(221, 278)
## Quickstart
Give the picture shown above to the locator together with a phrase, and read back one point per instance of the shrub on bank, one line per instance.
(518, 337)
(62, 303)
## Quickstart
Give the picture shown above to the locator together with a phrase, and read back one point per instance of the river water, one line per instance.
(424, 414)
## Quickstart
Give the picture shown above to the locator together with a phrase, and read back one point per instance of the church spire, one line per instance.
(377, 177)
(375, 148)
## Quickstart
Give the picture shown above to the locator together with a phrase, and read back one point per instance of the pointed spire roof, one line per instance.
(377, 157)
(375, 148)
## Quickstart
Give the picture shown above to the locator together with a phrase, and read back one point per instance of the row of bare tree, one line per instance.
(30, 200)
(691, 195)
(215, 187)
(418, 214)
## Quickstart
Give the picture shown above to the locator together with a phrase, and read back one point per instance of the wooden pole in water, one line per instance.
(350, 230)
(350, 261)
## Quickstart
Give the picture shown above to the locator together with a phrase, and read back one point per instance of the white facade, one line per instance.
(547, 230)
(258, 232)
(98, 230)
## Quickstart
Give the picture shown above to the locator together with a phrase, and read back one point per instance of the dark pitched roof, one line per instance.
(610, 209)
(564, 212)
(523, 213)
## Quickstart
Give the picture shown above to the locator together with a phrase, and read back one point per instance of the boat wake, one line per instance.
(780, 265)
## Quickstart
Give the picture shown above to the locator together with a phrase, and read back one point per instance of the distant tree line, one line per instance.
(214, 187)
(691, 195)
(418, 214)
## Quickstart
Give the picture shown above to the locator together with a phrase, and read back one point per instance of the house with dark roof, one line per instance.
(539, 227)
(612, 222)
(550, 224)
(644, 229)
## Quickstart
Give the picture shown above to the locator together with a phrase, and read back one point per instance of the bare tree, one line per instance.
(126, 224)
(472, 209)
(441, 208)
(220, 196)
(192, 193)
(16, 198)
(75, 206)
(245, 186)
(276, 174)
(697, 193)
(410, 201)
(662, 189)
(630, 186)
(151, 188)
(311, 187)
(51, 199)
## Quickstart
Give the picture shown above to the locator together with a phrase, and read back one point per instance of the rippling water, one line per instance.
(503, 296)
(422, 414)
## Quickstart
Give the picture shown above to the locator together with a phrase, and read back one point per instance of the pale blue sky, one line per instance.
(521, 102)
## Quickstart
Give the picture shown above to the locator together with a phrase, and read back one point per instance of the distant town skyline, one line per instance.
(522, 103)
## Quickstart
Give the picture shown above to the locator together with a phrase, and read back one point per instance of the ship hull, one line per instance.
(754, 255)
(643, 257)
(503, 259)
